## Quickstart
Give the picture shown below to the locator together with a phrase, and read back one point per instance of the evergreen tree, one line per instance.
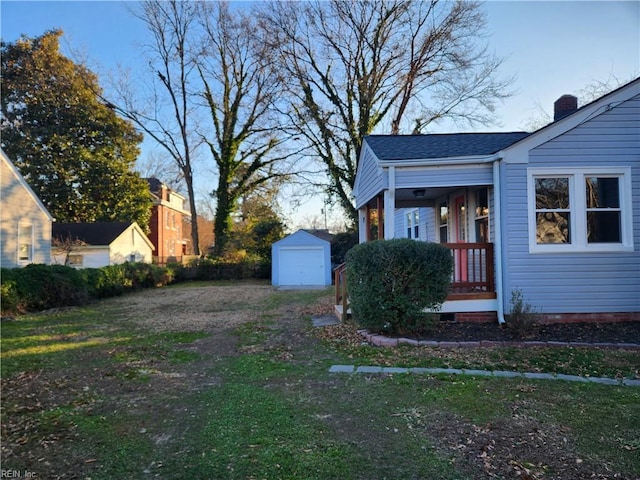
(72, 149)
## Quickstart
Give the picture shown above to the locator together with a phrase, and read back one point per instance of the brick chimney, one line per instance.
(565, 105)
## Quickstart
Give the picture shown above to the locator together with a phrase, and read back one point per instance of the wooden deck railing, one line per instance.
(340, 281)
(473, 274)
(473, 267)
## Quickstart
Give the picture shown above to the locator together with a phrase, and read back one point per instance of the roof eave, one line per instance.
(428, 162)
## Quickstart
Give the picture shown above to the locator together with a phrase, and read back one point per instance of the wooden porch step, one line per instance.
(338, 311)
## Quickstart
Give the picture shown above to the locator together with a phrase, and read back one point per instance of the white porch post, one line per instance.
(362, 224)
(390, 206)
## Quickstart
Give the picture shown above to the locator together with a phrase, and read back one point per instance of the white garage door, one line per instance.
(301, 266)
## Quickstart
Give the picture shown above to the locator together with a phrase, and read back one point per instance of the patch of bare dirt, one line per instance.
(195, 308)
(513, 447)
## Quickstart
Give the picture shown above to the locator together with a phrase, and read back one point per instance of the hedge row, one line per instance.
(40, 287)
(214, 269)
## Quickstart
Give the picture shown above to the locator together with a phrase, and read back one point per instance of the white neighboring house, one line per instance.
(95, 245)
(25, 223)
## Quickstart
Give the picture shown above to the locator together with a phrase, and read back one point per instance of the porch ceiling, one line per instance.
(406, 198)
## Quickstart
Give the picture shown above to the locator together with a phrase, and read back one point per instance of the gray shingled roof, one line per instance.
(99, 233)
(320, 233)
(446, 145)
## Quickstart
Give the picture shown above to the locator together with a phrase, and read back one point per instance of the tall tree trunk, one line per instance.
(222, 224)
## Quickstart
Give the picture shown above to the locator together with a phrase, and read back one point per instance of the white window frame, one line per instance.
(578, 209)
(443, 203)
(76, 259)
(21, 227)
(412, 223)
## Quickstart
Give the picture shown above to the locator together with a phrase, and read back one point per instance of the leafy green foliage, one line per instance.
(71, 148)
(146, 275)
(106, 281)
(257, 227)
(9, 298)
(391, 282)
(342, 242)
(40, 287)
(227, 269)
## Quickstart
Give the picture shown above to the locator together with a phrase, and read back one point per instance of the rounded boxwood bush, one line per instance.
(391, 282)
(40, 287)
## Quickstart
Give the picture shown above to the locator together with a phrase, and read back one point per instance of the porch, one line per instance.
(472, 281)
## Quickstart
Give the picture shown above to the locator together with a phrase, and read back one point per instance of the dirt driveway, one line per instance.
(209, 307)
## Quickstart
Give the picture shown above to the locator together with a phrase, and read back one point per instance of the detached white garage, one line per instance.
(301, 259)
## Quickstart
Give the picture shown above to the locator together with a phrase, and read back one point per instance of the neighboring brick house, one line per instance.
(166, 224)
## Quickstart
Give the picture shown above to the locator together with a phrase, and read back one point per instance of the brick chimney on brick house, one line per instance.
(564, 106)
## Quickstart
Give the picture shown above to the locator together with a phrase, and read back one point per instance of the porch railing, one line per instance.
(473, 274)
(340, 282)
(473, 267)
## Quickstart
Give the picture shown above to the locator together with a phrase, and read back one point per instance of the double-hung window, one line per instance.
(412, 222)
(25, 243)
(579, 210)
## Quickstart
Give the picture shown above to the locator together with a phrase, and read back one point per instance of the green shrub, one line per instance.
(341, 244)
(9, 298)
(229, 269)
(147, 275)
(105, 282)
(40, 287)
(391, 282)
(522, 317)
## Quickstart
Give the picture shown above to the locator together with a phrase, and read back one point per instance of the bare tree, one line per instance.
(168, 116)
(358, 65)
(594, 90)
(66, 245)
(240, 89)
(215, 87)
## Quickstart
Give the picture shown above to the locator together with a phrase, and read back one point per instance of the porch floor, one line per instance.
(339, 309)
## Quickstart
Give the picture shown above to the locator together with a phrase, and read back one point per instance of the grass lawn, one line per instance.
(104, 392)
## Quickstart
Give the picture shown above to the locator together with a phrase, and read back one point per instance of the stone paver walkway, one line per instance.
(484, 373)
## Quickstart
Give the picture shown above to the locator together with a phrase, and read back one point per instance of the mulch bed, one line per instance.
(622, 332)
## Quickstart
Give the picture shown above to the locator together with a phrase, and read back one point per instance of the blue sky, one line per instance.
(552, 48)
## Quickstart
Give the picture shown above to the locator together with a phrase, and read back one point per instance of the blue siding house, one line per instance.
(554, 214)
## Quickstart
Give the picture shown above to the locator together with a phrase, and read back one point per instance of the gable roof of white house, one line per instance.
(95, 234)
(20, 179)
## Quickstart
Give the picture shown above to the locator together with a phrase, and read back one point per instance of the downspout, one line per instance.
(497, 241)
(390, 205)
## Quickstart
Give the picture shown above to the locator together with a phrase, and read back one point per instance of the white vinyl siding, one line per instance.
(21, 211)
